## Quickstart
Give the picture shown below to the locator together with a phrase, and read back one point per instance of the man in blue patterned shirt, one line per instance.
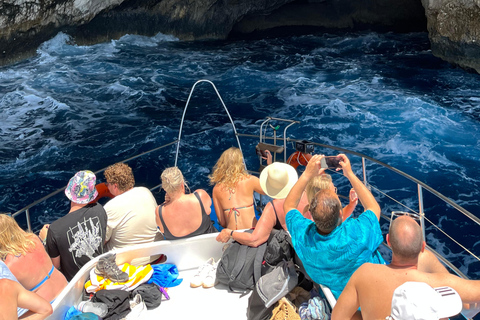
(331, 250)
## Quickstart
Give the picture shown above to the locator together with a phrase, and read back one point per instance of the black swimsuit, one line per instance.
(205, 227)
(278, 225)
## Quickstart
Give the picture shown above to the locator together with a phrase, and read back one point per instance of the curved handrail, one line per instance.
(185, 111)
(403, 174)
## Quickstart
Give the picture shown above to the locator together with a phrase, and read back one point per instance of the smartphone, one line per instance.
(261, 153)
(331, 162)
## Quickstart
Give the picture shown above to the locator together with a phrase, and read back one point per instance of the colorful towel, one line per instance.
(136, 276)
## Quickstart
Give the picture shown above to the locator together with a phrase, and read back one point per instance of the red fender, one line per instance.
(103, 192)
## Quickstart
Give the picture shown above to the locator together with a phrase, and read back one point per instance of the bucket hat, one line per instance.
(419, 301)
(81, 188)
(277, 179)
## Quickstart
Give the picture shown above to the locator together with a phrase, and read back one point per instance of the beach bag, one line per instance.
(240, 266)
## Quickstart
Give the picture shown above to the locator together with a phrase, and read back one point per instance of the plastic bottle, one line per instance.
(98, 308)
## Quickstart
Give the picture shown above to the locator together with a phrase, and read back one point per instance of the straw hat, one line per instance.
(277, 179)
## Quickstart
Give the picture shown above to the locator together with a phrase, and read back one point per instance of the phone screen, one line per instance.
(332, 162)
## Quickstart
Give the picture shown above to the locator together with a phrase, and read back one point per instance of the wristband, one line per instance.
(231, 234)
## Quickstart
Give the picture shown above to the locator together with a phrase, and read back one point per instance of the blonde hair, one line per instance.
(121, 175)
(316, 184)
(14, 240)
(229, 169)
(172, 180)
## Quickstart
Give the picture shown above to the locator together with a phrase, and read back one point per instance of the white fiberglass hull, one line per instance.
(185, 302)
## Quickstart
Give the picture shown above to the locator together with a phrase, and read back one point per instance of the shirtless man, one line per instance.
(371, 287)
(232, 194)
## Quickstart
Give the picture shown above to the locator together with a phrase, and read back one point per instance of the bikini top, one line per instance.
(278, 225)
(44, 279)
(205, 227)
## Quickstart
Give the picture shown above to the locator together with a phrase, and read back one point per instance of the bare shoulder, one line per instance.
(366, 269)
(252, 179)
(203, 195)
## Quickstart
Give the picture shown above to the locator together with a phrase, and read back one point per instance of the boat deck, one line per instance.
(187, 255)
(211, 303)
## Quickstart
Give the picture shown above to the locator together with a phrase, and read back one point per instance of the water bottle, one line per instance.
(98, 308)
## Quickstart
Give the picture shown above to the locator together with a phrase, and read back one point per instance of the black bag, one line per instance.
(279, 248)
(240, 266)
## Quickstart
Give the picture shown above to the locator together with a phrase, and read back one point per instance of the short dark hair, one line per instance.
(406, 237)
(325, 209)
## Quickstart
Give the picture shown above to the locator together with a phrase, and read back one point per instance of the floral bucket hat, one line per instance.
(81, 188)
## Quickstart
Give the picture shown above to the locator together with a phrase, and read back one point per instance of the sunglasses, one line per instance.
(396, 214)
(414, 216)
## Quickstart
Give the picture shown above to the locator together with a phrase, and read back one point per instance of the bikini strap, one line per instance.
(44, 279)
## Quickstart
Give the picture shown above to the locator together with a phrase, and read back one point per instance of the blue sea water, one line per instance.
(385, 95)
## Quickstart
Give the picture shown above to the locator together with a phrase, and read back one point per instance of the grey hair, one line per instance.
(172, 180)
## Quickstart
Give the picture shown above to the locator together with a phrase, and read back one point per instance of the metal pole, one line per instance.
(420, 209)
(29, 225)
(364, 169)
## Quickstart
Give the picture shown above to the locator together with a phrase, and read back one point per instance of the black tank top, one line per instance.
(278, 225)
(205, 227)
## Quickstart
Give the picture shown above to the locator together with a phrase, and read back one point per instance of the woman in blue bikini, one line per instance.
(233, 192)
(25, 256)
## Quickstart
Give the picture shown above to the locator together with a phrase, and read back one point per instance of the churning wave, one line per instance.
(83, 107)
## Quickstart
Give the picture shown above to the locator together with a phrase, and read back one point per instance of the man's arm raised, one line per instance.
(364, 195)
(313, 169)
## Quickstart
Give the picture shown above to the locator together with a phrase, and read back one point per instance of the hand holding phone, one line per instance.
(261, 153)
(331, 162)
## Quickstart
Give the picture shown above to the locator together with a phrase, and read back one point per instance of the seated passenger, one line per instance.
(329, 249)
(17, 302)
(183, 215)
(79, 236)
(25, 256)
(371, 287)
(131, 214)
(233, 191)
(324, 181)
(283, 176)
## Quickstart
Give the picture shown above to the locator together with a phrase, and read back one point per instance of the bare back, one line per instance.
(234, 207)
(32, 268)
(373, 285)
(184, 215)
